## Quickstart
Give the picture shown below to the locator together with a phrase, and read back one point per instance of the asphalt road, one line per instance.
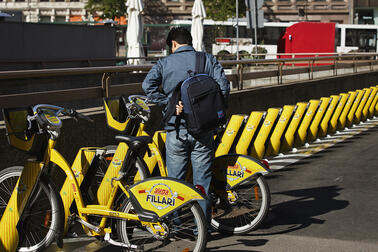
(325, 200)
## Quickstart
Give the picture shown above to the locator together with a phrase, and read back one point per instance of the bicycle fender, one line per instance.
(8, 223)
(236, 168)
(162, 195)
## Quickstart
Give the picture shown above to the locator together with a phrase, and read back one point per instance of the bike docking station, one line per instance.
(279, 135)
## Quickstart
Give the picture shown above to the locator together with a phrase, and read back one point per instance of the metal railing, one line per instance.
(277, 68)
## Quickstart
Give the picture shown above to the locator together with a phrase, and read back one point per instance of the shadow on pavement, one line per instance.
(229, 247)
(301, 211)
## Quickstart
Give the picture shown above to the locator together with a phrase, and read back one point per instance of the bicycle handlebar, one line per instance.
(47, 116)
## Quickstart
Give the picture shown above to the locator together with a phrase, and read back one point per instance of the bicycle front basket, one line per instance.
(18, 134)
(117, 116)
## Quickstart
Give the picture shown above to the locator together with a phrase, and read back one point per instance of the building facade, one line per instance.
(311, 10)
(164, 11)
(156, 11)
(46, 10)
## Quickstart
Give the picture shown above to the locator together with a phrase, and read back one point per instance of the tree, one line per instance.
(221, 10)
(110, 8)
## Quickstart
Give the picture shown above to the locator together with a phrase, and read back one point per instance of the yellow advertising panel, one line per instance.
(288, 139)
(248, 132)
(343, 117)
(163, 195)
(350, 117)
(365, 110)
(336, 114)
(314, 127)
(373, 104)
(323, 127)
(300, 136)
(275, 140)
(229, 135)
(258, 147)
(364, 99)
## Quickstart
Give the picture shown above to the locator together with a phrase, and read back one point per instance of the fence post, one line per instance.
(371, 64)
(354, 65)
(280, 72)
(106, 81)
(241, 81)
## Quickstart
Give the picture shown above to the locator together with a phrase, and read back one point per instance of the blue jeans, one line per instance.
(198, 149)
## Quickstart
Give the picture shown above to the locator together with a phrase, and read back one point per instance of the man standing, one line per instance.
(181, 146)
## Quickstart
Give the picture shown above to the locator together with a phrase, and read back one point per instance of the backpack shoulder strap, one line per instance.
(200, 62)
(171, 107)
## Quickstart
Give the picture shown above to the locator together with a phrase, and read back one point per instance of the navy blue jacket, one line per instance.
(164, 76)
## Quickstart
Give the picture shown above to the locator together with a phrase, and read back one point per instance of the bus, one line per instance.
(220, 37)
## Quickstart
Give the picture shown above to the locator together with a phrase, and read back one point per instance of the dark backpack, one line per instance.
(204, 108)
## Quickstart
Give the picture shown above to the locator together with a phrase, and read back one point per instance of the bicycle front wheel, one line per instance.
(39, 221)
(184, 230)
(246, 208)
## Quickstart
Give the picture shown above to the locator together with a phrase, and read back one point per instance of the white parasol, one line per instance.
(198, 14)
(134, 31)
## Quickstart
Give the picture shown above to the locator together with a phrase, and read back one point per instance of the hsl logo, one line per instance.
(161, 196)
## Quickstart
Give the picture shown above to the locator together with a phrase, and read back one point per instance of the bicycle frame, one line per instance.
(140, 195)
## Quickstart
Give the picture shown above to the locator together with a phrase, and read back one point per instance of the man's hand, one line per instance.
(179, 108)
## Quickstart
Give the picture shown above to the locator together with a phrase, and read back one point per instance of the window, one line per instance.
(365, 39)
(60, 19)
(365, 16)
(337, 37)
(270, 35)
(44, 19)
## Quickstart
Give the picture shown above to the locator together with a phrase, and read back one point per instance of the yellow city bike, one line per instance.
(240, 194)
(156, 214)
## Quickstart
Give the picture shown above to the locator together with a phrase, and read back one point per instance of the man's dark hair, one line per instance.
(179, 34)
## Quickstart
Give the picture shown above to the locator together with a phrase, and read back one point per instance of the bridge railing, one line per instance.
(243, 70)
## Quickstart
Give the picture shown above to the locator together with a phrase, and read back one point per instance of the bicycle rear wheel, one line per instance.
(185, 230)
(247, 206)
(39, 221)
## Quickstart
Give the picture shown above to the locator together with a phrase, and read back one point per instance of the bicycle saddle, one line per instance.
(133, 141)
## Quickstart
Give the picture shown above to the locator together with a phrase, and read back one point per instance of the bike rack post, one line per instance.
(288, 139)
(343, 117)
(357, 118)
(258, 147)
(372, 106)
(350, 117)
(323, 127)
(314, 127)
(336, 114)
(229, 135)
(301, 134)
(80, 167)
(253, 123)
(365, 110)
(274, 142)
